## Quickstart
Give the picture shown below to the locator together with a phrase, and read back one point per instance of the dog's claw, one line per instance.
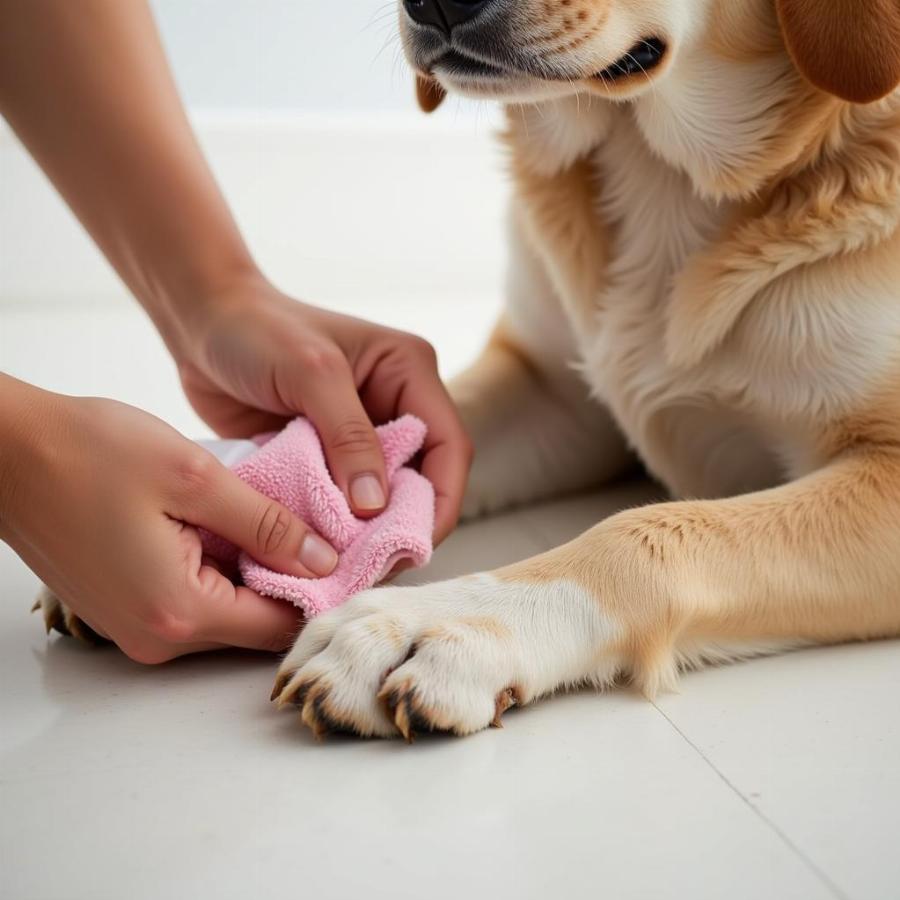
(58, 617)
(405, 710)
(82, 631)
(298, 696)
(293, 693)
(280, 682)
(396, 707)
(504, 701)
(307, 715)
(54, 620)
(402, 721)
(311, 718)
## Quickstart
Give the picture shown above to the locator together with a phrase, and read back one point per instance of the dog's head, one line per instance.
(528, 50)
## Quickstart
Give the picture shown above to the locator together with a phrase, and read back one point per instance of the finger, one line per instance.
(447, 453)
(238, 617)
(331, 401)
(217, 614)
(412, 385)
(214, 498)
(446, 465)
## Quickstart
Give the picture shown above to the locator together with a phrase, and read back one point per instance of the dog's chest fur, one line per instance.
(808, 349)
(684, 426)
(686, 433)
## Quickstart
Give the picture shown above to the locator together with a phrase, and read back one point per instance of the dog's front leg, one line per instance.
(537, 435)
(642, 593)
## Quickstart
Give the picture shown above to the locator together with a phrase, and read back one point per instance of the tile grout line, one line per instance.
(538, 534)
(810, 864)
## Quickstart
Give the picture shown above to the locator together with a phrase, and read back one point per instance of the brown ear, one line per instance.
(429, 93)
(850, 48)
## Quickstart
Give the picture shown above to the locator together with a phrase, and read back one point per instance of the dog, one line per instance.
(704, 278)
(705, 275)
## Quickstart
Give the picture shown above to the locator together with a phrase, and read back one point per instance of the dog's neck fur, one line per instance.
(760, 123)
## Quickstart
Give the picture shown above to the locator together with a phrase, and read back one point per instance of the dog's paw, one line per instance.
(448, 657)
(58, 617)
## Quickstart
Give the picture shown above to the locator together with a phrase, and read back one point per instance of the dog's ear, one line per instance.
(429, 93)
(849, 48)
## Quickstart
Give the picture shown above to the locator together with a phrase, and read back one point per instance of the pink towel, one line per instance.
(290, 467)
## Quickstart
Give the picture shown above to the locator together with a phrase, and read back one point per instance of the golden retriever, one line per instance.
(705, 272)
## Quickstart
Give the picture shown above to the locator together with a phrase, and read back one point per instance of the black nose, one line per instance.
(443, 14)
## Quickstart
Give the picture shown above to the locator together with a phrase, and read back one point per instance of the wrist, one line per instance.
(182, 303)
(26, 414)
(227, 308)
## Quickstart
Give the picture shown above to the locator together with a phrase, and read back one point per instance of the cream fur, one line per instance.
(484, 636)
(705, 270)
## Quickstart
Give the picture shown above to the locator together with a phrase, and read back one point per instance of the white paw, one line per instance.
(449, 657)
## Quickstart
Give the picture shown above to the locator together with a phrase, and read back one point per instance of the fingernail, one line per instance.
(366, 492)
(317, 555)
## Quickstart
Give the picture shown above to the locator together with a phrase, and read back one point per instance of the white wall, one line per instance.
(286, 54)
(343, 189)
(333, 208)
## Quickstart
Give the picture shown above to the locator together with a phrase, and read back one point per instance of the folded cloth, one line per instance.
(290, 467)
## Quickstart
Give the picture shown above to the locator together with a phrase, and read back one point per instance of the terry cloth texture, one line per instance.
(290, 467)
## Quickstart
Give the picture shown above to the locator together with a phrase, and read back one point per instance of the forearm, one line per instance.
(87, 88)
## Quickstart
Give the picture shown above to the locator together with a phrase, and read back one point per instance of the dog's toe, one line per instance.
(79, 629)
(52, 611)
(407, 661)
(410, 715)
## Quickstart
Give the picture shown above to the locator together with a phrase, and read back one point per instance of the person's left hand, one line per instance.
(254, 358)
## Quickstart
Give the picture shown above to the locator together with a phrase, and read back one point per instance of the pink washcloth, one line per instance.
(290, 467)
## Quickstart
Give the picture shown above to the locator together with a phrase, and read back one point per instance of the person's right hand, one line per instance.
(104, 506)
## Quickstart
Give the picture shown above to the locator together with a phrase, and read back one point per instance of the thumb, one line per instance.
(217, 500)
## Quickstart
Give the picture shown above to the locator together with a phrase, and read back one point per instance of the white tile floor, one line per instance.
(778, 778)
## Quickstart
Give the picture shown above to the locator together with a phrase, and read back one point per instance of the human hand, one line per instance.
(104, 507)
(251, 358)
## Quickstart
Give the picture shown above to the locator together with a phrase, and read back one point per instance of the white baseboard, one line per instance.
(336, 209)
